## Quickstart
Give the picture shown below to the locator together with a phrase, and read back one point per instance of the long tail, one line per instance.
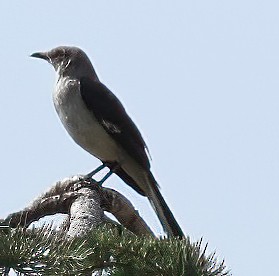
(169, 223)
(146, 185)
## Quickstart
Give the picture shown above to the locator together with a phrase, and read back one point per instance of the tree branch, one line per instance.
(85, 203)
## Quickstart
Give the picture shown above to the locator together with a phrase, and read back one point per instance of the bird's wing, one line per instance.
(111, 114)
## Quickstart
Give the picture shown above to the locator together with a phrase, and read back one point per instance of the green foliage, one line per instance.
(45, 252)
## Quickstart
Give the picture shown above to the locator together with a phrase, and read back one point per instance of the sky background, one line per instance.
(201, 81)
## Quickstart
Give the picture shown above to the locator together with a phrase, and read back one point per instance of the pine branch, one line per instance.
(44, 252)
(90, 242)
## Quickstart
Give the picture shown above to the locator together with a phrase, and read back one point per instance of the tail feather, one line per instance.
(169, 223)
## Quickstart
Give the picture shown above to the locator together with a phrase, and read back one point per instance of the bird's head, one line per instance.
(67, 60)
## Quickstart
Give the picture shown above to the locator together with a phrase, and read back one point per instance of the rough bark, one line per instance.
(85, 202)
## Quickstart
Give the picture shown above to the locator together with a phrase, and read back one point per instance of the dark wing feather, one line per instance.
(111, 114)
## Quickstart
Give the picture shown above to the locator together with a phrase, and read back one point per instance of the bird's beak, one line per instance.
(41, 55)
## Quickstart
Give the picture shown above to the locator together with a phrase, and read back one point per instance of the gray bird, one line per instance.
(98, 122)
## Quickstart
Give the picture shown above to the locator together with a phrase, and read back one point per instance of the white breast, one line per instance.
(80, 123)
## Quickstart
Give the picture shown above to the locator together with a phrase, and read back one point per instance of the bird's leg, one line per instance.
(91, 174)
(105, 178)
(112, 169)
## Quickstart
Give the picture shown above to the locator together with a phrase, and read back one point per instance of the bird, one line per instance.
(98, 122)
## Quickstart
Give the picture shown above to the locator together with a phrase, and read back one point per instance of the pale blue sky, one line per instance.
(200, 79)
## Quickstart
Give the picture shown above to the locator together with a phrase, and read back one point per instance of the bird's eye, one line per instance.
(59, 54)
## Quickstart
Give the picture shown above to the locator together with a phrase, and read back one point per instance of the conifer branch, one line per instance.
(90, 242)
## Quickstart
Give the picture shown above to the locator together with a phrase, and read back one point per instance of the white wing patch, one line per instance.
(111, 127)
